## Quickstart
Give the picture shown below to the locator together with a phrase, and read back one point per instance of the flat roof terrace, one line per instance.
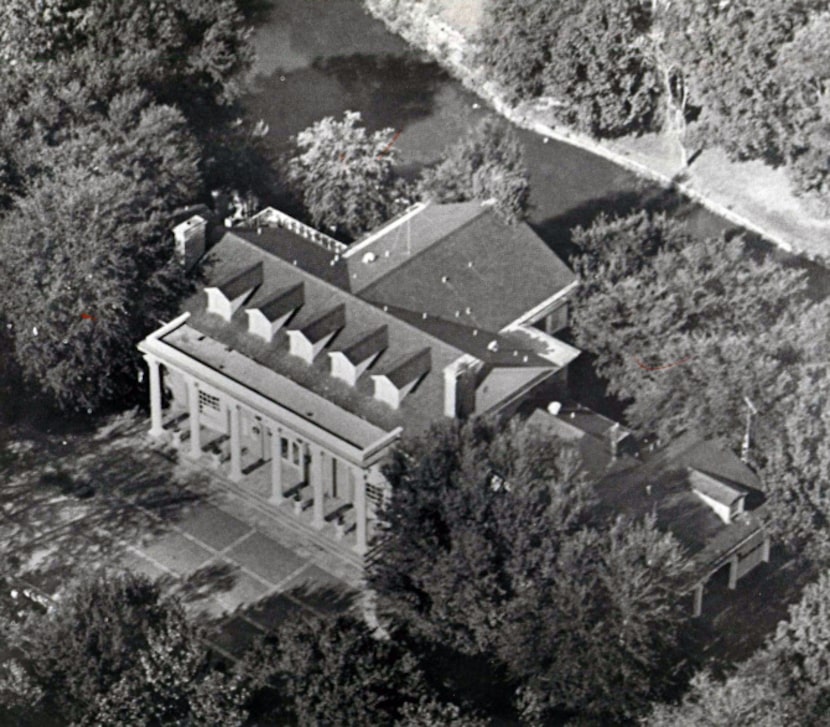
(274, 386)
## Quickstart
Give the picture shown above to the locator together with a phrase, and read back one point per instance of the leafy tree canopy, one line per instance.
(486, 164)
(335, 671)
(344, 175)
(686, 329)
(589, 56)
(115, 652)
(86, 251)
(488, 547)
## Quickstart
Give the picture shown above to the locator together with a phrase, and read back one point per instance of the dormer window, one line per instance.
(313, 337)
(726, 498)
(349, 363)
(401, 377)
(268, 317)
(227, 297)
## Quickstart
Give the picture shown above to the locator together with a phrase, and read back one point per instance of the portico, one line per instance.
(331, 486)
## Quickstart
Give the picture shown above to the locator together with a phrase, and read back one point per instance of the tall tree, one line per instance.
(686, 330)
(335, 671)
(589, 56)
(726, 52)
(87, 253)
(802, 73)
(115, 652)
(345, 176)
(487, 547)
(488, 163)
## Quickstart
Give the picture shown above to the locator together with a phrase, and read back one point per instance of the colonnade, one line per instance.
(315, 461)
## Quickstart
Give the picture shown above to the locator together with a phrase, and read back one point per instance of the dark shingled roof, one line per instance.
(490, 272)
(409, 368)
(369, 345)
(242, 281)
(284, 301)
(324, 324)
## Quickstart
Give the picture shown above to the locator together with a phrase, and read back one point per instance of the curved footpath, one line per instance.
(748, 194)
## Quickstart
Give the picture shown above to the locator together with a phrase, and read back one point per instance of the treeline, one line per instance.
(751, 77)
(115, 114)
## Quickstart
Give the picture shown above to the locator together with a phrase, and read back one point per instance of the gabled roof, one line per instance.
(282, 302)
(408, 368)
(367, 346)
(490, 272)
(325, 323)
(718, 488)
(241, 281)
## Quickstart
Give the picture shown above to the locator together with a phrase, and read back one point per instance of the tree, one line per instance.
(86, 251)
(336, 672)
(795, 467)
(685, 330)
(488, 547)
(726, 53)
(172, 683)
(590, 56)
(345, 176)
(486, 164)
(802, 72)
(115, 652)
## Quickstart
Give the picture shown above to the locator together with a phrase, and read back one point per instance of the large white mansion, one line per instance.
(300, 361)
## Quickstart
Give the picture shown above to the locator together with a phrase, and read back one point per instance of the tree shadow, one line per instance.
(212, 578)
(556, 231)
(390, 90)
(51, 532)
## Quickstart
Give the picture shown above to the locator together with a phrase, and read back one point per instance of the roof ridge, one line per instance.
(332, 288)
(418, 253)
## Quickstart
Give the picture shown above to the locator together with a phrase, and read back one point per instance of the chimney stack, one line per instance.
(191, 241)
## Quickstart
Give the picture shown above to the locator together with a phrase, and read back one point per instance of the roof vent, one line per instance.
(369, 258)
(493, 346)
(554, 408)
(445, 278)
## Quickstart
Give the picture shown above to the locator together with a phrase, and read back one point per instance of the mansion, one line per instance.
(299, 361)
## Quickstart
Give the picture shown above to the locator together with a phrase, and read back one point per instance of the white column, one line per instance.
(765, 551)
(276, 467)
(361, 546)
(156, 423)
(236, 446)
(317, 468)
(195, 427)
(698, 598)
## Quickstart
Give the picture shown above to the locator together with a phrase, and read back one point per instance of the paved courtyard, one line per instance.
(240, 580)
(238, 568)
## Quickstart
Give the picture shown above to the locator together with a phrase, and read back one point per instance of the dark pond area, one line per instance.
(319, 58)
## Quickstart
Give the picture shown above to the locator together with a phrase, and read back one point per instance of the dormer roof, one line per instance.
(717, 488)
(242, 281)
(283, 301)
(408, 368)
(325, 324)
(367, 346)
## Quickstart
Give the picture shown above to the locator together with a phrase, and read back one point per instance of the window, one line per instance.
(295, 453)
(208, 402)
(284, 448)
